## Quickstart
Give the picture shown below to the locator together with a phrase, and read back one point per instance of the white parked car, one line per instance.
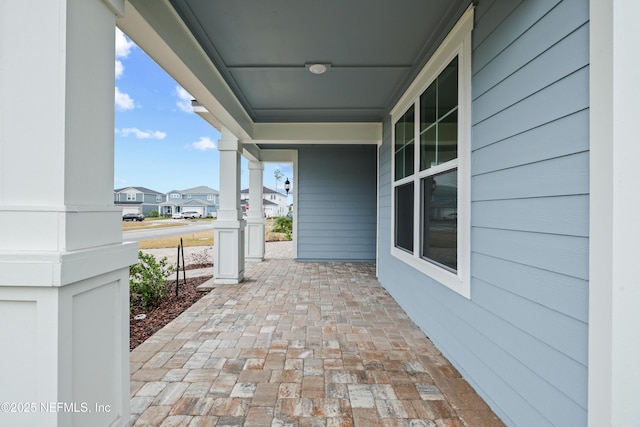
(176, 215)
(191, 214)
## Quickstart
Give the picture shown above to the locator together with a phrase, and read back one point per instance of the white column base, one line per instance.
(228, 252)
(254, 239)
(66, 330)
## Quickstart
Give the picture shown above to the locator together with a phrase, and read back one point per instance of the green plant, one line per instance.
(283, 224)
(148, 280)
(153, 214)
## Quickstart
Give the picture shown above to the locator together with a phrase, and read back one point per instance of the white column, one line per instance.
(228, 247)
(614, 286)
(64, 300)
(255, 217)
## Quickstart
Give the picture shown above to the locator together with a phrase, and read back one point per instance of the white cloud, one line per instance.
(123, 101)
(184, 100)
(119, 69)
(123, 44)
(123, 48)
(143, 134)
(205, 143)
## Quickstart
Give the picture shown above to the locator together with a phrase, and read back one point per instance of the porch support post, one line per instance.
(64, 277)
(614, 287)
(255, 216)
(228, 246)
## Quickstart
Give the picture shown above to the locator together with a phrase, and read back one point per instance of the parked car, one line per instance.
(290, 214)
(133, 217)
(191, 214)
(177, 215)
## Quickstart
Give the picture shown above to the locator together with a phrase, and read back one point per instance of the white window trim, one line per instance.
(457, 43)
(131, 197)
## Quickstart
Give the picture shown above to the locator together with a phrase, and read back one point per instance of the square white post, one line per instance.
(614, 287)
(64, 288)
(228, 229)
(255, 216)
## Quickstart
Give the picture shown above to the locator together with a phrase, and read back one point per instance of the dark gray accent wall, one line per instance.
(337, 203)
(521, 340)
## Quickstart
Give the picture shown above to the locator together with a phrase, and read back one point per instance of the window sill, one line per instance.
(457, 282)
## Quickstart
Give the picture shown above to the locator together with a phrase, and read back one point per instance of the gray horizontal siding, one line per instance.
(561, 137)
(560, 176)
(533, 77)
(521, 340)
(529, 31)
(547, 105)
(336, 203)
(555, 215)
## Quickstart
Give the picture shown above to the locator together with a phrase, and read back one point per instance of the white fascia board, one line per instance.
(280, 156)
(158, 30)
(317, 133)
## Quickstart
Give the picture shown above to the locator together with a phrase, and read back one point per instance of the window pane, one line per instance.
(404, 147)
(429, 147)
(428, 102)
(440, 218)
(448, 89)
(439, 119)
(448, 138)
(404, 217)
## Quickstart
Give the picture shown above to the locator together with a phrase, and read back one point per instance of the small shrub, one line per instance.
(153, 214)
(283, 225)
(200, 258)
(148, 280)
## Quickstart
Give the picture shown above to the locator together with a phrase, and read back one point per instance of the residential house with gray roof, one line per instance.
(138, 200)
(202, 199)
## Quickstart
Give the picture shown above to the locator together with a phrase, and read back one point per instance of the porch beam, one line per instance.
(317, 133)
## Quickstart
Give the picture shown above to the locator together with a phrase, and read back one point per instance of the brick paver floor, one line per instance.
(297, 345)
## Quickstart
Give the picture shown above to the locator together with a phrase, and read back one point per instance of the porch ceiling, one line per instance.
(374, 48)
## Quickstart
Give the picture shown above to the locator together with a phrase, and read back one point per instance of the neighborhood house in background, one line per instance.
(274, 204)
(202, 200)
(196, 202)
(138, 200)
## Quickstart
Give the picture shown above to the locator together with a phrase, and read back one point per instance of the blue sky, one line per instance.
(160, 143)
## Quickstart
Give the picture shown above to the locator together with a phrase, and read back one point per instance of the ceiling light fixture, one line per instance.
(317, 68)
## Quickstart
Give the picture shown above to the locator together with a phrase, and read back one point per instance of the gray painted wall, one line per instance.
(521, 340)
(337, 203)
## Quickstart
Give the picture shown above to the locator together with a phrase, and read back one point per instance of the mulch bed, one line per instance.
(168, 310)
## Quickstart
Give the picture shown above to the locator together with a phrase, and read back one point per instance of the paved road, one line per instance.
(191, 227)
